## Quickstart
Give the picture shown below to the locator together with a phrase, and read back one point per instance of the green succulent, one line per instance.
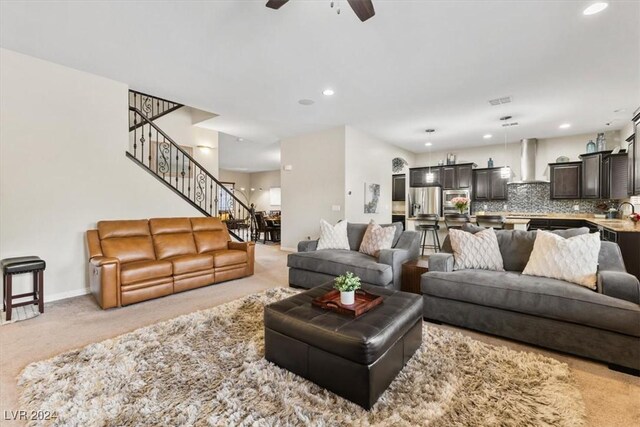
(347, 282)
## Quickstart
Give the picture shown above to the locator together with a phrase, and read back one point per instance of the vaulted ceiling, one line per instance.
(416, 64)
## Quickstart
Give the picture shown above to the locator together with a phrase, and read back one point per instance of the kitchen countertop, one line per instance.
(619, 225)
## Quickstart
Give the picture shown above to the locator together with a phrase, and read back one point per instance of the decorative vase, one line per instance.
(601, 142)
(347, 298)
(490, 163)
(591, 147)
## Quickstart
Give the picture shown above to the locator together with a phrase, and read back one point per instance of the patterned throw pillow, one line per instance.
(476, 251)
(333, 236)
(377, 238)
(573, 260)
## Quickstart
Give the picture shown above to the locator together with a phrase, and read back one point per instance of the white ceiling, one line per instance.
(241, 155)
(416, 64)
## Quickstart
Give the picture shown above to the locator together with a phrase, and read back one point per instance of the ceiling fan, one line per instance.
(362, 8)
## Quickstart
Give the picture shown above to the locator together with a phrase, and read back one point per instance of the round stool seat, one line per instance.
(23, 264)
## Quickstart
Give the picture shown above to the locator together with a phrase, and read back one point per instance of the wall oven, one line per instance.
(449, 195)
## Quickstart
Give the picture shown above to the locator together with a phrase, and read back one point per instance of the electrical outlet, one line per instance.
(576, 207)
(504, 207)
(485, 207)
(335, 208)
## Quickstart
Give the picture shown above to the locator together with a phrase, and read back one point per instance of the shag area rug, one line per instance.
(207, 368)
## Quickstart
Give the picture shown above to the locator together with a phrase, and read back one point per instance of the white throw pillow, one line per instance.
(333, 236)
(574, 259)
(476, 251)
(377, 238)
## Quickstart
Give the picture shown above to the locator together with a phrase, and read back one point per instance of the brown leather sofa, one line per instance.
(136, 260)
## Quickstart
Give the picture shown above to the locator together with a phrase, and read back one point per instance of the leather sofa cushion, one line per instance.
(207, 241)
(336, 262)
(190, 263)
(129, 249)
(144, 270)
(538, 296)
(174, 244)
(123, 228)
(228, 257)
(169, 225)
(207, 224)
(362, 340)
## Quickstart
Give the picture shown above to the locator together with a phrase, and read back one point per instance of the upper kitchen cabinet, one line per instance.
(418, 177)
(633, 158)
(399, 188)
(591, 175)
(614, 176)
(465, 176)
(455, 177)
(449, 178)
(488, 184)
(565, 180)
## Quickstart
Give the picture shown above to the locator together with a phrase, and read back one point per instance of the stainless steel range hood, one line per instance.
(528, 153)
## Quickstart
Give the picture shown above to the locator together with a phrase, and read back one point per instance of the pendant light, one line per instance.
(430, 177)
(505, 171)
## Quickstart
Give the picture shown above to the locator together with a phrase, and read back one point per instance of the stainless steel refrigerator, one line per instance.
(425, 200)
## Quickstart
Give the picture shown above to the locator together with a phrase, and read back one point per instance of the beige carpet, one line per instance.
(207, 368)
(611, 398)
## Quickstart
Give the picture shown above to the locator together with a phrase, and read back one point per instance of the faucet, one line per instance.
(633, 209)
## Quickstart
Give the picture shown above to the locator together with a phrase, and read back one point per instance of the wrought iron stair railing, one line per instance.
(157, 153)
(150, 106)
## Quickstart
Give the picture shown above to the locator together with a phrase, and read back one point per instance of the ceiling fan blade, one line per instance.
(276, 4)
(363, 8)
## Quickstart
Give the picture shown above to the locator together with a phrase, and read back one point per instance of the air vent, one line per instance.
(500, 101)
(504, 125)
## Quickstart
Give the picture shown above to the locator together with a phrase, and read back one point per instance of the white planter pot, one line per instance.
(347, 298)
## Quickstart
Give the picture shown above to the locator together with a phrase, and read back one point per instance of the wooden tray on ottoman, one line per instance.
(364, 301)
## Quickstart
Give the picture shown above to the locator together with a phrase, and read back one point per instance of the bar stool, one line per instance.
(19, 265)
(428, 223)
(456, 221)
(490, 221)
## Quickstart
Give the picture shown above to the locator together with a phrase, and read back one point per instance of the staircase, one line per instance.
(173, 165)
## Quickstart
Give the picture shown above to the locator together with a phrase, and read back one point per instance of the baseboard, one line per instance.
(288, 249)
(69, 294)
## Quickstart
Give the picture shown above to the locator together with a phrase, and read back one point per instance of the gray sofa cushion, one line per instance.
(538, 296)
(336, 262)
(355, 233)
(515, 245)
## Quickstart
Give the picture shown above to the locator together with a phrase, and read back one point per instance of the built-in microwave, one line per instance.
(449, 195)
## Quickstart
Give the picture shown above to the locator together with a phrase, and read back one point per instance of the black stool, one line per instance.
(428, 223)
(19, 265)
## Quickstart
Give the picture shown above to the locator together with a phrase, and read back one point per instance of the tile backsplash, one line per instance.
(534, 198)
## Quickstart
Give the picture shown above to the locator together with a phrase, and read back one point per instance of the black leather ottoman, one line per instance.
(354, 358)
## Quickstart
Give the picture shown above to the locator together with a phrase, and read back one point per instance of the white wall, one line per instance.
(368, 160)
(548, 151)
(63, 136)
(315, 183)
(262, 182)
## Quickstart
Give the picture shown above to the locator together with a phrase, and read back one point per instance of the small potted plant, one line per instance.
(347, 284)
(635, 217)
(461, 203)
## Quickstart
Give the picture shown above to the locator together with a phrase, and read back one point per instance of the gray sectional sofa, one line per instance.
(309, 267)
(602, 324)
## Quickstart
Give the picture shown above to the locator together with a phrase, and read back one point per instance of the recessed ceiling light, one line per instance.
(239, 139)
(328, 92)
(487, 136)
(306, 102)
(595, 8)
(565, 126)
(620, 110)
(428, 144)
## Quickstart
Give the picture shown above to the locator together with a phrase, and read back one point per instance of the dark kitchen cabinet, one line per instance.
(488, 184)
(418, 177)
(449, 178)
(398, 190)
(591, 175)
(464, 176)
(633, 158)
(614, 176)
(565, 180)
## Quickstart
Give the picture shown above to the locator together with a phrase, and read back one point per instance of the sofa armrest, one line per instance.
(104, 281)
(307, 246)
(441, 261)
(618, 284)
(250, 249)
(395, 258)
